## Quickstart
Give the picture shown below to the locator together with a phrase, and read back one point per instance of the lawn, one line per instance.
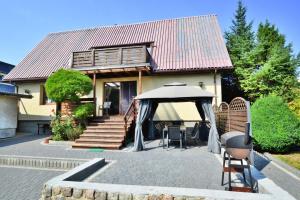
(292, 159)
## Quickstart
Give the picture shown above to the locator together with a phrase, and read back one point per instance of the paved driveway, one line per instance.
(191, 168)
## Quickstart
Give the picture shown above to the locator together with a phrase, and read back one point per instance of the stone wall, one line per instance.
(68, 193)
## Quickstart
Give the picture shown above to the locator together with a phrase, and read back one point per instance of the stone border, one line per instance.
(66, 186)
(62, 143)
(40, 162)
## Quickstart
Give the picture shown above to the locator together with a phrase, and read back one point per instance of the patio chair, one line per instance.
(192, 133)
(174, 134)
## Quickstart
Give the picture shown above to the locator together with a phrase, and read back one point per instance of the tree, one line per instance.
(275, 71)
(67, 85)
(239, 42)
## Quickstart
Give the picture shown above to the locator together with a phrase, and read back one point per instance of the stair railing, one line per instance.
(131, 113)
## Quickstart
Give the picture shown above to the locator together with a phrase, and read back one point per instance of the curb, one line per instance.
(295, 172)
(40, 162)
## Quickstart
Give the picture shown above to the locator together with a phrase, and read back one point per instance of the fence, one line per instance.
(233, 116)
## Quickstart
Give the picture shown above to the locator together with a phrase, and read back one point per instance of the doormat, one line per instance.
(96, 150)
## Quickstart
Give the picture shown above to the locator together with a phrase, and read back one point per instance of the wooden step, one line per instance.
(105, 123)
(98, 145)
(105, 127)
(103, 131)
(101, 140)
(100, 136)
(241, 189)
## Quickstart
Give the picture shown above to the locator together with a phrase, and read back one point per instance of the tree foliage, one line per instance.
(239, 42)
(263, 63)
(67, 85)
(275, 71)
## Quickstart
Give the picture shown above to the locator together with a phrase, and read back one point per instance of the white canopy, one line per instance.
(176, 91)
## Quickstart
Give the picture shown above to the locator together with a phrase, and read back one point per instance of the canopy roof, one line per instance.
(176, 92)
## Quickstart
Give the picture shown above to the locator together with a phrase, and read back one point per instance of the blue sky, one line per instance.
(25, 23)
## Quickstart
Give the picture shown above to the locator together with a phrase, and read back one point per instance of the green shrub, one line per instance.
(74, 133)
(57, 138)
(275, 127)
(82, 112)
(60, 126)
(67, 84)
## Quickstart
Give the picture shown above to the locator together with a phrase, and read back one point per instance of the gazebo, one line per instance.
(176, 92)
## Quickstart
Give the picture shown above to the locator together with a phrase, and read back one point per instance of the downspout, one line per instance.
(215, 86)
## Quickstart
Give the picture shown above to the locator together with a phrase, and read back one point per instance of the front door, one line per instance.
(127, 93)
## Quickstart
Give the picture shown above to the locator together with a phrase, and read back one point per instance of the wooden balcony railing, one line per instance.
(111, 56)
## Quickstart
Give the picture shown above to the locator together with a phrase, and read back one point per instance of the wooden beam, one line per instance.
(94, 92)
(215, 86)
(140, 82)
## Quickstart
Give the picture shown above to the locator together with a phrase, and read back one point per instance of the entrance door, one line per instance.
(112, 95)
(127, 93)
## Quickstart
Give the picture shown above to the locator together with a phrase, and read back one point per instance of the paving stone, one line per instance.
(77, 193)
(56, 190)
(123, 196)
(167, 197)
(179, 198)
(47, 191)
(66, 191)
(140, 197)
(90, 194)
(156, 197)
(112, 196)
(59, 198)
(100, 195)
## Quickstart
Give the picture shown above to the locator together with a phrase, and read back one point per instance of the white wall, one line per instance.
(8, 116)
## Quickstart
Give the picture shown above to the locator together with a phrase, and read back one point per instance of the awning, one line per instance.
(176, 92)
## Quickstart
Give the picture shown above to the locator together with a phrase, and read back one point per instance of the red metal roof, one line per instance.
(182, 44)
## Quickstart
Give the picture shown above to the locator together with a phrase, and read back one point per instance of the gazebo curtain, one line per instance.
(200, 109)
(147, 109)
(154, 106)
(213, 137)
(143, 113)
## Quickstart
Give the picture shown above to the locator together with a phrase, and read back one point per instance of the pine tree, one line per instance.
(275, 71)
(239, 42)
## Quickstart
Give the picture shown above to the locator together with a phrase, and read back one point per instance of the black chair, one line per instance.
(174, 134)
(192, 133)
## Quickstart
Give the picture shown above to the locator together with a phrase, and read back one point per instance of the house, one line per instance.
(123, 61)
(5, 68)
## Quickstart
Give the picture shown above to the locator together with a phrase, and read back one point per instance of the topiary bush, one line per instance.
(275, 127)
(67, 84)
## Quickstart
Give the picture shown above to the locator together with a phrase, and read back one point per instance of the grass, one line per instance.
(292, 159)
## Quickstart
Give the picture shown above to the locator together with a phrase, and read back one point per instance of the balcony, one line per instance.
(111, 58)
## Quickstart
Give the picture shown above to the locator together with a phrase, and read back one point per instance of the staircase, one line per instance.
(106, 133)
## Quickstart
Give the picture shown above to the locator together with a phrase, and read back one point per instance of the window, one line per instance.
(43, 96)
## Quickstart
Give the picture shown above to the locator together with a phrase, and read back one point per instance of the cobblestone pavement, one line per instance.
(23, 184)
(194, 167)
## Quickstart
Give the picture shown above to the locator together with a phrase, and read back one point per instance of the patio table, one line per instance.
(165, 131)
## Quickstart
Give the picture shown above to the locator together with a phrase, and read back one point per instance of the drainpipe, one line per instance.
(215, 86)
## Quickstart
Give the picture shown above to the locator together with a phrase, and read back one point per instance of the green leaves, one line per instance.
(275, 126)
(262, 66)
(67, 85)
(82, 112)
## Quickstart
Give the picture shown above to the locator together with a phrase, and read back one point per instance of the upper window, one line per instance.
(43, 96)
